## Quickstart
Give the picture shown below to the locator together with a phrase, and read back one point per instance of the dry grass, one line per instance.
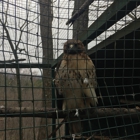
(32, 97)
(9, 127)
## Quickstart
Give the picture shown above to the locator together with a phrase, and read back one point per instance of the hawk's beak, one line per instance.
(71, 46)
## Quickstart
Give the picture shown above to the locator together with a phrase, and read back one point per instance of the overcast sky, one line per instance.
(17, 12)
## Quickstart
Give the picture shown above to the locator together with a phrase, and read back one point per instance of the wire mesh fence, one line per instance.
(69, 69)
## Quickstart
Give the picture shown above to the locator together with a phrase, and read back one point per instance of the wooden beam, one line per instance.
(115, 12)
(119, 34)
(112, 14)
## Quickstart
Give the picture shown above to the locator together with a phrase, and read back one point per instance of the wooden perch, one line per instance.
(27, 112)
(53, 112)
(80, 12)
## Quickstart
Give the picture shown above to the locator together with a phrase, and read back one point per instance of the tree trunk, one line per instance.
(46, 17)
(81, 24)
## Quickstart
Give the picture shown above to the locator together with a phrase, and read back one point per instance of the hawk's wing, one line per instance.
(59, 96)
(88, 77)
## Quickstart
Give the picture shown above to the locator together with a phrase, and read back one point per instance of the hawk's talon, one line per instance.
(86, 81)
(73, 136)
(77, 113)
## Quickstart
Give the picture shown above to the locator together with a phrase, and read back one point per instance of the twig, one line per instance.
(22, 29)
(90, 137)
(9, 39)
(57, 128)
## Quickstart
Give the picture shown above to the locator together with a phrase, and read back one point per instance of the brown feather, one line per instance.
(70, 80)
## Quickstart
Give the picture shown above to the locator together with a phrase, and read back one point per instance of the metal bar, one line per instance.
(56, 61)
(128, 29)
(113, 14)
(53, 104)
(80, 12)
(25, 65)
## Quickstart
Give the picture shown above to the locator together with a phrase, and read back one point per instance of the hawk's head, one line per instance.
(73, 47)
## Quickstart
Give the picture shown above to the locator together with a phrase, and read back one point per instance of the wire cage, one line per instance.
(50, 92)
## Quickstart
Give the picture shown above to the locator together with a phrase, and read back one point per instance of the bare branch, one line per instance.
(22, 29)
(19, 39)
(9, 39)
(6, 12)
(57, 128)
(9, 61)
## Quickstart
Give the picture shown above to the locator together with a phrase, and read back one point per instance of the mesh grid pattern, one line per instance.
(32, 36)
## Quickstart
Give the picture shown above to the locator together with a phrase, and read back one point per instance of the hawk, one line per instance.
(75, 81)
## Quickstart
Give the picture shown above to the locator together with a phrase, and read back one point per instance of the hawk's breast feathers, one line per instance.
(76, 77)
